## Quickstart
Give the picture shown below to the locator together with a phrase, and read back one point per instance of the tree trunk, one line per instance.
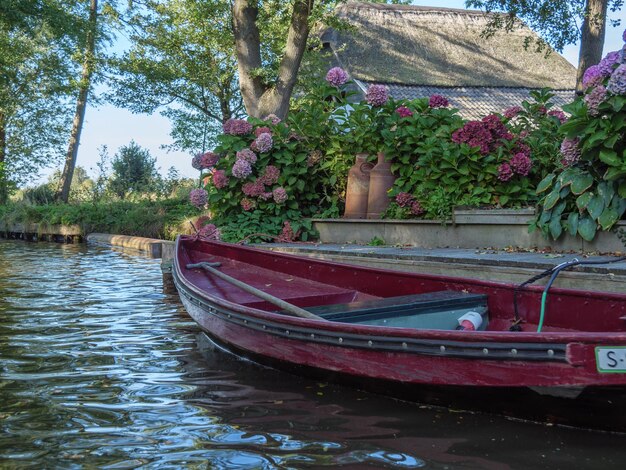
(81, 104)
(259, 98)
(4, 186)
(592, 39)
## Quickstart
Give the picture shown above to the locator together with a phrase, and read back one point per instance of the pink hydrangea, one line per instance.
(208, 160)
(247, 155)
(266, 196)
(511, 112)
(263, 143)
(570, 151)
(416, 208)
(404, 199)
(617, 83)
(594, 98)
(403, 111)
(270, 175)
(196, 161)
(220, 180)
(337, 76)
(247, 204)
(287, 234)
(438, 101)
(237, 127)
(262, 130)
(253, 189)
(241, 169)
(210, 232)
(521, 164)
(275, 120)
(505, 173)
(198, 197)
(377, 95)
(560, 115)
(280, 195)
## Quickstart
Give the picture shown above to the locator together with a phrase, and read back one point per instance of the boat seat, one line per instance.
(433, 310)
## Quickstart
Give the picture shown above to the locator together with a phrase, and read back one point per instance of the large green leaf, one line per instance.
(583, 200)
(551, 199)
(545, 183)
(566, 177)
(572, 223)
(595, 206)
(614, 173)
(608, 218)
(607, 191)
(555, 227)
(610, 157)
(622, 190)
(587, 228)
(581, 182)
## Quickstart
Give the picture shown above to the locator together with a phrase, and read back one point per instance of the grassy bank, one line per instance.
(152, 219)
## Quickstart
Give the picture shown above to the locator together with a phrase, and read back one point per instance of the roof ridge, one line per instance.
(413, 8)
(378, 82)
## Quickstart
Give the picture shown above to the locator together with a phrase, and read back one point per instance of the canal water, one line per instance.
(101, 368)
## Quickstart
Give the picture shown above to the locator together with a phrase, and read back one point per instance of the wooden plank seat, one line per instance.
(435, 310)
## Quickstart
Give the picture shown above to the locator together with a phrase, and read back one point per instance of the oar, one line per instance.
(297, 311)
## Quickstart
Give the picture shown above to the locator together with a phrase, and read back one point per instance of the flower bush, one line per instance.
(588, 192)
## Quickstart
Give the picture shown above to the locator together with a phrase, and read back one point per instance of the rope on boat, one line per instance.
(553, 272)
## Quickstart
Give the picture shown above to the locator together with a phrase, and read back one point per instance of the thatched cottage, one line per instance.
(418, 51)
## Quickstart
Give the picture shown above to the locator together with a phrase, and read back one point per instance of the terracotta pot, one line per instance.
(381, 181)
(357, 189)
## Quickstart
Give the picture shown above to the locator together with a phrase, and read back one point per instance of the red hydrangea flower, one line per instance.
(403, 111)
(505, 173)
(438, 101)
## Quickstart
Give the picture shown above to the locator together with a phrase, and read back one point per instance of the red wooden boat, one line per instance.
(388, 330)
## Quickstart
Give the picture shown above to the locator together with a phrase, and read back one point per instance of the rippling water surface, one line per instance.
(101, 368)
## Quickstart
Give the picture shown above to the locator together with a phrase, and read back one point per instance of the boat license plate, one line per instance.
(611, 359)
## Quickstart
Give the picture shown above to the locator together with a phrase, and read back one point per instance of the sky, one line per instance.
(116, 127)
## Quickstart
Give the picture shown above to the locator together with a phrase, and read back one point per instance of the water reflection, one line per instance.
(100, 367)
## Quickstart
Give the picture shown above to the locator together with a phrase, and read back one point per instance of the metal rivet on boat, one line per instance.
(550, 352)
(442, 348)
(369, 343)
(230, 316)
(341, 340)
(286, 332)
(485, 351)
(264, 327)
(245, 322)
(312, 335)
(404, 345)
(514, 351)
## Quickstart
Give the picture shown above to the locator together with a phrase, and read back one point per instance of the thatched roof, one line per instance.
(435, 46)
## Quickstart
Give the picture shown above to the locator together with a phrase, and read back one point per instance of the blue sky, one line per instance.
(115, 127)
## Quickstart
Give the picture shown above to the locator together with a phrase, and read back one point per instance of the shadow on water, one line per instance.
(101, 367)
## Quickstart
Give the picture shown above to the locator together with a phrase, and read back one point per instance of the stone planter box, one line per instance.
(497, 228)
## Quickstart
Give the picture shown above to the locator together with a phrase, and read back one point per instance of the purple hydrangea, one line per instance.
(570, 151)
(560, 115)
(253, 189)
(416, 208)
(241, 169)
(209, 160)
(210, 232)
(438, 101)
(617, 82)
(377, 95)
(521, 164)
(196, 161)
(247, 155)
(237, 127)
(263, 143)
(592, 76)
(594, 99)
(220, 180)
(404, 199)
(262, 130)
(280, 195)
(198, 197)
(336, 76)
(505, 172)
(270, 175)
(607, 64)
(511, 112)
(403, 111)
(624, 36)
(275, 120)
(247, 204)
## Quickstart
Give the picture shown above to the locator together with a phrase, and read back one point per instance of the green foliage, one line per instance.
(134, 171)
(590, 194)
(377, 241)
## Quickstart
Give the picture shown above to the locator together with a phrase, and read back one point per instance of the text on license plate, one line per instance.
(611, 359)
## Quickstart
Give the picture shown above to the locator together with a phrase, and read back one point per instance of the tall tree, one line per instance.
(81, 103)
(181, 62)
(557, 21)
(36, 38)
